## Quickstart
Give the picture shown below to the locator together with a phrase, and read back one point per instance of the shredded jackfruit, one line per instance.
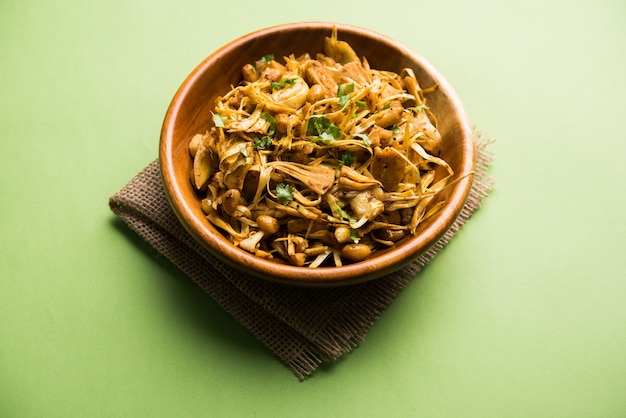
(340, 155)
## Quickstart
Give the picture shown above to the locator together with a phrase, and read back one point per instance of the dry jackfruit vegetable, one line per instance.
(319, 160)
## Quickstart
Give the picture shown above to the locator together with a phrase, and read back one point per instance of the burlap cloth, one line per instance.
(303, 327)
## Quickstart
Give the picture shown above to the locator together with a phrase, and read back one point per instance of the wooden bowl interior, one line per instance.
(190, 113)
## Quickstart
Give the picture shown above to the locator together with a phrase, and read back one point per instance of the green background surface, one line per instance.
(523, 314)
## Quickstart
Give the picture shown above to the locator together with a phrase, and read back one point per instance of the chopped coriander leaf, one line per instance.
(343, 92)
(366, 139)
(360, 103)
(343, 214)
(343, 100)
(277, 85)
(343, 89)
(284, 193)
(324, 128)
(334, 130)
(262, 143)
(266, 59)
(316, 125)
(244, 151)
(326, 137)
(218, 121)
(272, 120)
(346, 159)
(354, 236)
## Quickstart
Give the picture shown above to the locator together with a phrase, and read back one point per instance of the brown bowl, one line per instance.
(189, 114)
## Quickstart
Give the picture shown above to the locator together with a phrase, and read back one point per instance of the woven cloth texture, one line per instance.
(303, 327)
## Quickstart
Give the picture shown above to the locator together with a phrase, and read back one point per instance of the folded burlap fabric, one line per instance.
(303, 327)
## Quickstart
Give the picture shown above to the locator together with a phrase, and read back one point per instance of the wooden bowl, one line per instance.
(189, 114)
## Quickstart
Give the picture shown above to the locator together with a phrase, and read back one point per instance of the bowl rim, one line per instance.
(212, 239)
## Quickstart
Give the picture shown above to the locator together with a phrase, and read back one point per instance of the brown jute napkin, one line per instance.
(303, 327)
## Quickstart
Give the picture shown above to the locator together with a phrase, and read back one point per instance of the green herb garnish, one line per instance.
(346, 159)
(284, 193)
(244, 151)
(218, 121)
(272, 120)
(366, 139)
(325, 137)
(421, 107)
(343, 92)
(354, 236)
(343, 214)
(265, 141)
(266, 59)
(324, 128)
(262, 143)
(277, 85)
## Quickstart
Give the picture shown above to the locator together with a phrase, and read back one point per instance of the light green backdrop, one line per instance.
(522, 315)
